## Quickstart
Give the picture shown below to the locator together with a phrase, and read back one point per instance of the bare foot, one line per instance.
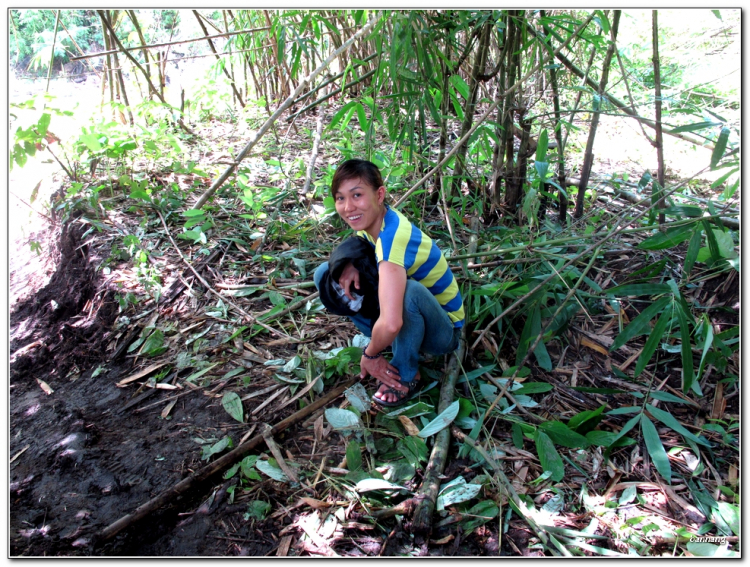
(385, 394)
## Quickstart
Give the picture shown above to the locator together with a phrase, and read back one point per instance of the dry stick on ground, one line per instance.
(294, 306)
(507, 485)
(428, 492)
(220, 464)
(489, 111)
(252, 319)
(611, 234)
(284, 105)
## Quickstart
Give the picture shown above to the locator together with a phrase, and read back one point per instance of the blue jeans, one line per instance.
(426, 327)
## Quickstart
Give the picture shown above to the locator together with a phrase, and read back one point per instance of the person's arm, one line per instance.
(391, 290)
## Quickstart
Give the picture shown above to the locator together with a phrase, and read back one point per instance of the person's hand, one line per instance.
(348, 276)
(380, 369)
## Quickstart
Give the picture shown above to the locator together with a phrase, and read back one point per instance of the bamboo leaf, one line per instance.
(656, 449)
(664, 240)
(706, 345)
(549, 457)
(534, 388)
(687, 353)
(627, 427)
(720, 147)
(541, 148)
(353, 456)
(639, 325)
(443, 420)
(692, 251)
(561, 434)
(367, 484)
(638, 289)
(233, 406)
(670, 421)
(654, 338)
(460, 85)
(694, 127)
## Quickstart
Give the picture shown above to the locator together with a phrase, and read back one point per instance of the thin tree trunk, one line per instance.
(137, 27)
(659, 142)
(218, 58)
(601, 90)
(470, 105)
(562, 195)
(52, 54)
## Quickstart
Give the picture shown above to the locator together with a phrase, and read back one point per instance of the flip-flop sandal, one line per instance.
(414, 387)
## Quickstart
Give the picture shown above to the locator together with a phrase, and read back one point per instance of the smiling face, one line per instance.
(361, 205)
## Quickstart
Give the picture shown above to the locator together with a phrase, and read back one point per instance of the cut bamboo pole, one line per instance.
(285, 105)
(218, 465)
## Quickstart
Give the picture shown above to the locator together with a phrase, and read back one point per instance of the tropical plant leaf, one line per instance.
(549, 458)
(585, 421)
(443, 420)
(670, 421)
(694, 127)
(561, 434)
(669, 239)
(720, 147)
(656, 449)
(247, 466)
(654, 338)
(534, 388)
(638, 289)
(343, 420)
(687, 353)
(413, 449)
(353, 456)
(460, 493)
(232, 403)
(731, 515)
(479, 514)
(639, 325)
(692, 252)
(269, 470)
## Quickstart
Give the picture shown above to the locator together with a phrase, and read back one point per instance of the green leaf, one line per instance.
(269, 470)
(638, 289)
(654, 338)
(463, 492)
(460, 85)
(692, 251)
(542, 145)
(694, 127)
(627, 427)
(233, 406)
(705, 549)
(218, 447)
(343, 420)
(690, 211)
(561, 434)
(412, 411)
(368, 484)
(443, 420)
(43, 124)
(353, 456)
(669, 239)
(670, 421)
(257, 509)
(687, 353)
(667, 397)
(720, 147)
(413, 449)
(585, 421)
(91, 141)
(154, 344)
(706, 346)
(601, 438)
(731, 515)
(534, 388)
(517, 433)
(639, 325)
(479, 514)
(247, 466)
(656, 449)
(549, 457)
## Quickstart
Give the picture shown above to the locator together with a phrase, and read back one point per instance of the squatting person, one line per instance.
(421, 309)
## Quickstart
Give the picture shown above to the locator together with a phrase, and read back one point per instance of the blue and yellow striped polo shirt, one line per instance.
(403, 244)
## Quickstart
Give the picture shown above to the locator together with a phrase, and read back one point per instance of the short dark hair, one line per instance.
(354, 169)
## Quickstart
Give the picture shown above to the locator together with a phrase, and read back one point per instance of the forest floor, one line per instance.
(92, 438)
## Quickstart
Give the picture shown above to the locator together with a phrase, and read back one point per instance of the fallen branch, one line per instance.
(314, 152)
(220, 464)
(251, 319)
(284, 105)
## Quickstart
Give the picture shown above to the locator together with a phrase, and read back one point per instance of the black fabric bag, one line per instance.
(361, 254)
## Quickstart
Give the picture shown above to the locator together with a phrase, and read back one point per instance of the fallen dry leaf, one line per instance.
(44, 386)
(408, 424)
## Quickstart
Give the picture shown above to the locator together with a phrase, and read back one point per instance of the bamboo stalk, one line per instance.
(52, 50)
(213, 49)
(134, 60)
(314, 152)
(331, 94)
(659, 141)
(488, 112)
(588, 159)
(286, 104)
(220, 464)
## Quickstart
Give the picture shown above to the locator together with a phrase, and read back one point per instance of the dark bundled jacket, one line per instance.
(361, 254)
